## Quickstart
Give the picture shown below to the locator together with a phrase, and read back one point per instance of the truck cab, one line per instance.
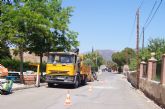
(64, 68)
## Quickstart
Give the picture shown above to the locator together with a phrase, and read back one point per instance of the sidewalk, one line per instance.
(18, 86)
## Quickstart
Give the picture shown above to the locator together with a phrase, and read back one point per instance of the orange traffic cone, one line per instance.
(90, 88)
(68, 99)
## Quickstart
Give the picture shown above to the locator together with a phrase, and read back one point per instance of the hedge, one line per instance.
(14, 65)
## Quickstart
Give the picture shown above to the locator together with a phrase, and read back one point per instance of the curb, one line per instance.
(28, 86)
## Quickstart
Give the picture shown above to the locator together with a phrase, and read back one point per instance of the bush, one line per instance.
(14, 65)
(132, 65)
(11, 64)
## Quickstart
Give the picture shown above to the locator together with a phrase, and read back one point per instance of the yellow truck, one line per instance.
(66, 68)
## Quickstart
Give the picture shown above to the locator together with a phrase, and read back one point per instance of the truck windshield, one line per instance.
(53, 59)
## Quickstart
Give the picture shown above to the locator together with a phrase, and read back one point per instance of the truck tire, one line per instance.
(76, 84)
(50, 84)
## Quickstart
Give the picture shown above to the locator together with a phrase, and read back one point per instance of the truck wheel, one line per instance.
(76, 84)
(50, 84)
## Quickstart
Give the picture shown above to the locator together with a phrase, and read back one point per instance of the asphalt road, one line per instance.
(112, 91)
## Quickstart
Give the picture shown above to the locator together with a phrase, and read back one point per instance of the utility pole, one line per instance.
(92, 49)
(137, 48)
(143, 40)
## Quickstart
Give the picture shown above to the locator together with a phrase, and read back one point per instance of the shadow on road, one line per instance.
(60, 86)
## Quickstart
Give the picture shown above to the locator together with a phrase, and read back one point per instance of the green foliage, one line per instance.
(133, 64)
(145, 54)
(4, 51)
(158, 46)
(123, 57)
(94, 59)
(14, 65)
(118, 58)
(126, 56)
(111, 64)
(37, 26)
(128, 53)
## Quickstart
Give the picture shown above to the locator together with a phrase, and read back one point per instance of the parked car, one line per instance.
(3, 71)
(14, 76)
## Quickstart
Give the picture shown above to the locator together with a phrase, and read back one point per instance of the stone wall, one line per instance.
(153, 89)
(131, 76)
(150, 88)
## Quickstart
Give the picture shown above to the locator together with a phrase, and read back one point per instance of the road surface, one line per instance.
(112, 91)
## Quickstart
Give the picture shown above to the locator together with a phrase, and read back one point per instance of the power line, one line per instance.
(141, 4)
(133, 26)
(141, 33)
(150, 13)
(150, 17)
(153, 15)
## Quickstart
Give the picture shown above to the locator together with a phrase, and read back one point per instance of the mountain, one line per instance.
(106, 54)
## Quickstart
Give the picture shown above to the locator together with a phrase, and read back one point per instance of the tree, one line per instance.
(118, 58)
(55, 35)
(128, 53)
(27, 26)
(4, 50)
(157, 45)
(124, 57)
(145, 54)
(15, 28)
(94, 59)
(39, 34)
(112, 65)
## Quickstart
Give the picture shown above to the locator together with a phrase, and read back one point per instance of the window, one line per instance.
(60, 58)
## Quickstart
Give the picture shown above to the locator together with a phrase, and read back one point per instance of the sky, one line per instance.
(111, 24)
